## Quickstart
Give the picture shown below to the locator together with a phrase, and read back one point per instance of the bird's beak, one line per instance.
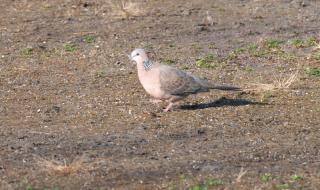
(131, 59)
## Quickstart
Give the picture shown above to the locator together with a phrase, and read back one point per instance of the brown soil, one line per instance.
(76, 117)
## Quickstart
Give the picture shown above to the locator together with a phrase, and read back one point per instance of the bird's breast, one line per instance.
(151, 83)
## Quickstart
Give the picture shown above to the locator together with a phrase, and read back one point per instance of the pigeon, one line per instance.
(167, 83)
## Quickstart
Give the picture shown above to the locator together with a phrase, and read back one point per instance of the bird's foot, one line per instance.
(168, 108)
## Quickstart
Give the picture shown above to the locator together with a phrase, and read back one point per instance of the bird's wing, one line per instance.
(176, 82)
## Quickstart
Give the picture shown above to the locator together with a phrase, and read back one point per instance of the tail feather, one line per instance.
(227, 88)
(207, 85)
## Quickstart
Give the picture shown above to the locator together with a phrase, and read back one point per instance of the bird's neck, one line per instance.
(147, 64)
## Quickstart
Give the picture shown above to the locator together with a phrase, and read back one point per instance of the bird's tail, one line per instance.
(224, 87)
(208, 85)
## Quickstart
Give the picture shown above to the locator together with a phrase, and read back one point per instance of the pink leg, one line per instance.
(172, 101)
(169, 106)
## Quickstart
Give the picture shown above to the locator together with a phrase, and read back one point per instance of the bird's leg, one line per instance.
(169, 106)
(172, 101)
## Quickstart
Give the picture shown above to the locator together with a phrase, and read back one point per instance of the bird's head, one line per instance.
(138, 55)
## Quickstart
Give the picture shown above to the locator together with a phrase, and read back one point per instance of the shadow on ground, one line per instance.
(220, 103)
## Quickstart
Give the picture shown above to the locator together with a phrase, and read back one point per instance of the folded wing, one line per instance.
(179, 83)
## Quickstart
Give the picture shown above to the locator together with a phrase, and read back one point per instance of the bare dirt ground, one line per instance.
(74, 116)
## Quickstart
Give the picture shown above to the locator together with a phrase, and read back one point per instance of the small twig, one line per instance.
(240, 175)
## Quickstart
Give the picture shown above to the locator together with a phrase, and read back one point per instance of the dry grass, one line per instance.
(61, 168)
(317, 46)
(125, 9)
(279, 83)
(240, 175)
(79, 164)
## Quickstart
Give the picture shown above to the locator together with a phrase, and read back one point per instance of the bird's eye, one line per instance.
(138, 54)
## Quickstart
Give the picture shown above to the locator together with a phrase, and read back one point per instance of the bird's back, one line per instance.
(179, 83)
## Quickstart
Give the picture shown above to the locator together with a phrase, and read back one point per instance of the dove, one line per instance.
(167, 83)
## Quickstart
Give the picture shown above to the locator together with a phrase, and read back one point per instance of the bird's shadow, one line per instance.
(220, 103)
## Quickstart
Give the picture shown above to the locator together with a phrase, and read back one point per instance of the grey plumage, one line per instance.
(179, 83)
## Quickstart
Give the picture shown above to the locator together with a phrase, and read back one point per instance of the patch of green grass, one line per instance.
(313, 72)
(89, 39)
(26, 51)
(55, 188)
(269, 48)
(213, 182)
(240, 50)
(211, 46)
(29, 187)
(249, 69)
(167, 61)
(197, 187)
(298, 43)
(207, 61)
(208, 182)
(255, 51)
(196, 184)
(312, 41)
(309, 42)
(266, 177)
(296, 177)
(70, 47)
(272, 43)
(283, 186)
(260, 53)
(251, 49)
(285, 56)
